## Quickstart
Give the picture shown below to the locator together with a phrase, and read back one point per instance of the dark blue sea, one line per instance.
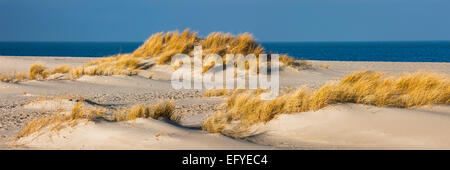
(429, 51)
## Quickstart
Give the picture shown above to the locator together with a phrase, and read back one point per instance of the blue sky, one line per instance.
(268, 20)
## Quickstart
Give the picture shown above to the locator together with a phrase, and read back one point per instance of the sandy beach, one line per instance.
(339, 126)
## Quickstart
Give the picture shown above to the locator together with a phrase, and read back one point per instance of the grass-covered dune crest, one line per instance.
(363, 87)
(159, 48)
(83, 112)
(164, 46)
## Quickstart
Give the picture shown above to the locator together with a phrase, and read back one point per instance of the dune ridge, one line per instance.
(364, 87)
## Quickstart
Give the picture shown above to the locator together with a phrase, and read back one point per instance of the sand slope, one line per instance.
(355, 126)
(138, 134)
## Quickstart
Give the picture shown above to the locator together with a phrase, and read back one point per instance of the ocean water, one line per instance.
(438, 51)
(430, 51)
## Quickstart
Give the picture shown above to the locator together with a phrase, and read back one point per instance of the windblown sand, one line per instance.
(342, 126)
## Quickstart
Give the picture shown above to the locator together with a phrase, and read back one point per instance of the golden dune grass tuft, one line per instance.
(62, 69)
(297, 64)
(325, 66)
(164, 109)
(225, 43)
(57, 121)
(165, 45)
(13, 77)
(365, 87)
(246, 108)
(216, 92)
(159, 110)
(228, 92)
(38, 71)
(81, 112)
(121, 64)
(205, 68)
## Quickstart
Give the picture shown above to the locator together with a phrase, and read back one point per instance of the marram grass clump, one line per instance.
(364, 87)
(297, 64)
(160, 110)
(38, 71)
(56, 121)
(63, 69)
(163, 46)
(13, 77)
(122, 64)
(216, 92)
(229, 92)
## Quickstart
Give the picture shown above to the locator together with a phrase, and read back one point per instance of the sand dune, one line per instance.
(342, 126)
(354, 126)
(139, 134)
